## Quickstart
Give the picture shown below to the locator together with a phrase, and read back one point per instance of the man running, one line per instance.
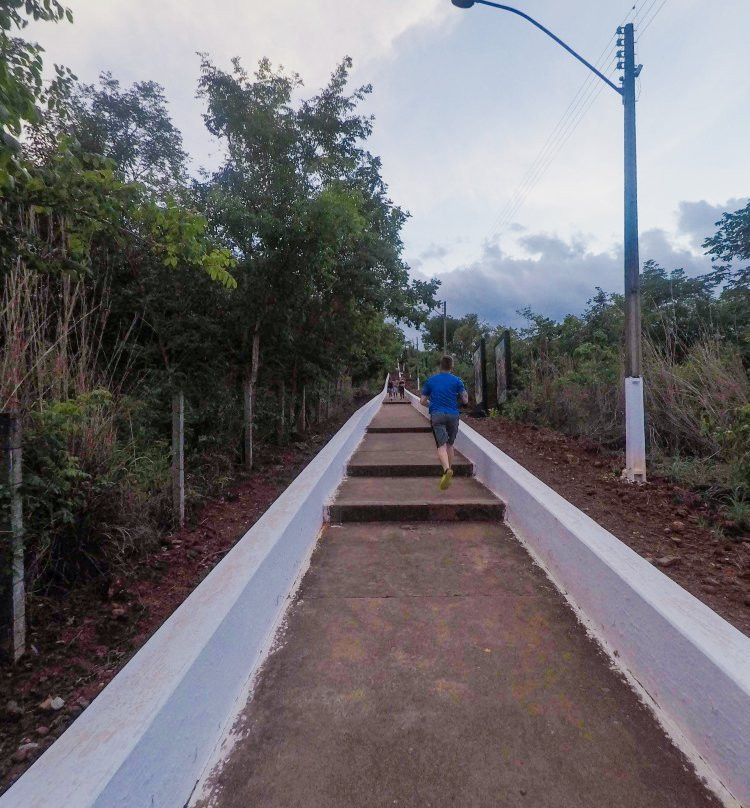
(402, 388)
(443, 391)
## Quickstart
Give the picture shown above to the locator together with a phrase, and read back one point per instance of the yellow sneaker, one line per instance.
(446, 479)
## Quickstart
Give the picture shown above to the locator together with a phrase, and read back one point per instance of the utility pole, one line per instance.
(635, 433)
(445, 328)
(635, 421)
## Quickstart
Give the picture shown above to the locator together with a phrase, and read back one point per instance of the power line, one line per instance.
(577, 109)
(578, 99)
(655, 15)
(559, 131)
(641, 13)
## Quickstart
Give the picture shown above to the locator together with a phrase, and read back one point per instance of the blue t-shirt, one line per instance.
(443, 390)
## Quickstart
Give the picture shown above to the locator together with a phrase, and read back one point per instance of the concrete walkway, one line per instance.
(428, 662)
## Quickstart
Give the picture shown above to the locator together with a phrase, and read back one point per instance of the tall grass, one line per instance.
(693, 395)
(95, 488)
(697, 412)
(51, 331)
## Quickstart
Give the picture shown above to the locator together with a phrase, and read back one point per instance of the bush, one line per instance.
(90, 497)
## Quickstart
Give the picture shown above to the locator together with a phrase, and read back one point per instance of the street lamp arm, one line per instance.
(557, 39)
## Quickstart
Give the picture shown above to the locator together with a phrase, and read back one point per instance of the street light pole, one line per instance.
(635, 432)
(635, 428)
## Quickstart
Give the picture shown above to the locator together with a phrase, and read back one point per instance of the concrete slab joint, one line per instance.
(691, 667)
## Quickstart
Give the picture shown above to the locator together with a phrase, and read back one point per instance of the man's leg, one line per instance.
(443, 454)
(451, 454)
(441, 441)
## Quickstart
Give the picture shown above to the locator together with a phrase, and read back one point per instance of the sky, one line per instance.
(506, 152)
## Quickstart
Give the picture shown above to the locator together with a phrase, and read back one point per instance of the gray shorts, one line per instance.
(444, 428)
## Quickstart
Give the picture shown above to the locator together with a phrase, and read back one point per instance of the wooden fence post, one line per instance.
(281, 417)
(12, 587)
(178, 457)
(302, 420)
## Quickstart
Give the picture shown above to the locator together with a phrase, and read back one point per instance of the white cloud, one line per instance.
(155, 39)
(139, 39)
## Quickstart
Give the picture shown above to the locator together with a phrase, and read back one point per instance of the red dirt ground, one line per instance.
(669, 526)
(80, 641)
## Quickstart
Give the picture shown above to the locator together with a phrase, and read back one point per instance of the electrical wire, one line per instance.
(655, 15)
(578, 99)
(559, 131)
(640, 14)
(569, 121)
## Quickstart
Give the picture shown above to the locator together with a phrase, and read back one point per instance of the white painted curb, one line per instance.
(692, 664)
(145, 740)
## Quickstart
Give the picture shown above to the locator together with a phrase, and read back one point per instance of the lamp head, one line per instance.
(463, 3)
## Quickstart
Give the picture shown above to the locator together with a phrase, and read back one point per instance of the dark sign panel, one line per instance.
(502, 368)
(480, 377)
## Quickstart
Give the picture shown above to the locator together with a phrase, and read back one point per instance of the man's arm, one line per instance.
(463, 395)
(425, 399)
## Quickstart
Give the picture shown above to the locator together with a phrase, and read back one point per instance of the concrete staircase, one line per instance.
(393, 476)
(426, 661)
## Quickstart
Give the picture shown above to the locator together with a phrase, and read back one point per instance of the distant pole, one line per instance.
(635, 432)
(178, 457)
(445, 328)
(12, 588)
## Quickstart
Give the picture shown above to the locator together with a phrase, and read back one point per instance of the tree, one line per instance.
(21, 84)
(432, 333)
(731, 242)
(306, 213)
(132, 128)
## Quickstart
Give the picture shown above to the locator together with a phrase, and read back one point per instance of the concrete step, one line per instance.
(397, 420)
(397, 429)
(408, 464)
(402, 455)
(415, 499)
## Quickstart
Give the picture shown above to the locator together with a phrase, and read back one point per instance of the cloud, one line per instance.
(557, 278)
(307, 37)
(139, 39)
(433, 251)
(698, 219)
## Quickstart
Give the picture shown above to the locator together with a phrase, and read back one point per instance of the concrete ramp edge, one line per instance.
(689, 664)
(144, 741)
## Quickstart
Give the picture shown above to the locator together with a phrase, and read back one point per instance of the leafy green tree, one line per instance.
(467, 336)
(432, 332)
(731, 242)
(676, 310)
(307, 215)
(21, 82)
(132, 127)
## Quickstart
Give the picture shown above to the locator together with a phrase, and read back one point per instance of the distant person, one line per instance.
(391, 389)
(442, 392)
(402, 388)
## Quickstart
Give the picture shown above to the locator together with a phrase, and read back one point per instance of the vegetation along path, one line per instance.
(427, 661)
